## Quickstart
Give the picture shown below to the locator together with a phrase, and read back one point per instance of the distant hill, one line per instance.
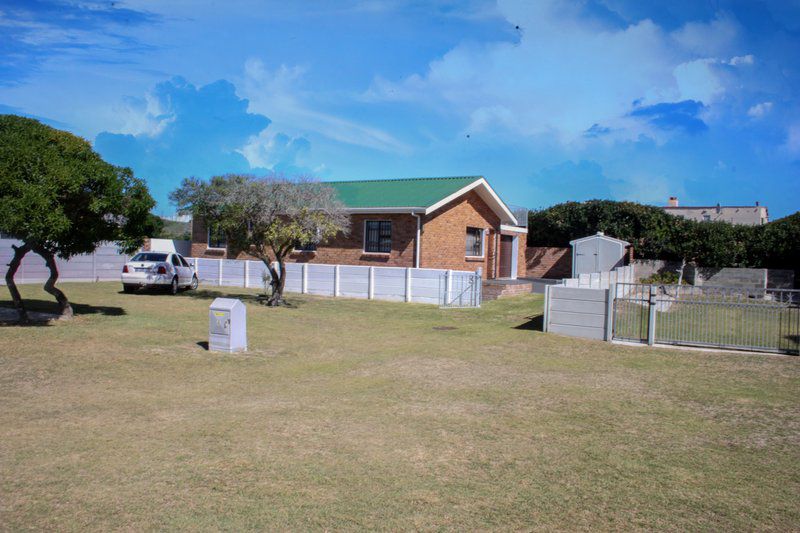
(175, 230)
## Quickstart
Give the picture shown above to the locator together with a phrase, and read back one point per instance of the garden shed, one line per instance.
(597, 253)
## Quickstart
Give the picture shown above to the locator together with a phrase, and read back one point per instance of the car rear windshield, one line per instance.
(149, 257)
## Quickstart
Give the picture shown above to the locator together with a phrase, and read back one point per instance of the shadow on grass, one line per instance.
(203, 345)
(42, 311)
(534, 323)
(248, 298)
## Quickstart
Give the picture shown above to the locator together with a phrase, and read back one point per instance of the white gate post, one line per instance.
(246, 273)
(304, 282)
(94, 266)
(336, 280)
(546, 317)
(371, 283)
(651, 323)
(448, 285)
(612, 293)
(219, 272)
(408, 284)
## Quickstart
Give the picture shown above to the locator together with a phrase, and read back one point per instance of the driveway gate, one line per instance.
(719, 317)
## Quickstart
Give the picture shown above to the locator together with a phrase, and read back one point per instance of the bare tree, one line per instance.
(265, 217)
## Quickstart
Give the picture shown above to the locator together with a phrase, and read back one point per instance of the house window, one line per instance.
(474, 242)
(706, 218)
(378, 236)
(307, 247)
(216, 237)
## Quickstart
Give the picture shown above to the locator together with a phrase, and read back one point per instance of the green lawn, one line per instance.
(351, 414)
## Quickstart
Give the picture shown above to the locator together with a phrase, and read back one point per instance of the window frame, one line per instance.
(366, 232)
(215, 246)
(299, 248)
(482, 241)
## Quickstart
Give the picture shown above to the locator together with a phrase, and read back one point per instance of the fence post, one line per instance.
(612, 293)
(219, 272)
(94, 266)
(448, 286)
(304, 281)
(651, 322)
(336, 280)
(371, 283)
(546, 316)
(408, 284)
(246, 273)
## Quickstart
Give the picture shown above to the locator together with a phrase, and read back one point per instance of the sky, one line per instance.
(550, 100)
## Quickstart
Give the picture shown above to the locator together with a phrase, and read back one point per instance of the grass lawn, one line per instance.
(351, 414)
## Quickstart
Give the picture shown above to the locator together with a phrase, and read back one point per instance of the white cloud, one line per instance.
(564, 75)
(793, 140)
(742, 60)
(278, 94)
(759, 110)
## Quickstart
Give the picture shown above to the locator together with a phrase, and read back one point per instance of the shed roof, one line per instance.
(600, 235)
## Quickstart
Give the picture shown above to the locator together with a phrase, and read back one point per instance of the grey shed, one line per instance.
(597, 253)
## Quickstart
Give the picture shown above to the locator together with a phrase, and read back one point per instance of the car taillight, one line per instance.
(162, 270)
(125, 269)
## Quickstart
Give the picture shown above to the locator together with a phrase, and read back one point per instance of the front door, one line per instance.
(506, 255)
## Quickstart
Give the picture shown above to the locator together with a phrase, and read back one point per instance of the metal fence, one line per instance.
(720, 317)
(460, 289)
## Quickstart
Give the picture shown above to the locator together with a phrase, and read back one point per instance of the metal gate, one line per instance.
(460, 289)
(720, 317)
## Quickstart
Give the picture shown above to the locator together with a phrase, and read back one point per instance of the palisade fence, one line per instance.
(447, 288)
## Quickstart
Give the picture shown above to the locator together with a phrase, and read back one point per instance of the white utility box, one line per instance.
(227, 326)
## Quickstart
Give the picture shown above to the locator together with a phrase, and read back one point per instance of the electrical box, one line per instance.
(227, 326)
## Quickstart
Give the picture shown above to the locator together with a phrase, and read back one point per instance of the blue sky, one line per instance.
(551, 101)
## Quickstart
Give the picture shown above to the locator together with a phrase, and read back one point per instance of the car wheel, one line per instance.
(128, 289)
(173, 288)
(194, 284)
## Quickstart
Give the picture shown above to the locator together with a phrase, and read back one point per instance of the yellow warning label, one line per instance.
(219, 313)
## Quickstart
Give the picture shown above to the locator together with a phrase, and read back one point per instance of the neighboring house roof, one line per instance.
(417, 195)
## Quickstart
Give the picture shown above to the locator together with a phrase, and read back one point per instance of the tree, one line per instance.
(60, 198)
(265, 217)
(645, 227)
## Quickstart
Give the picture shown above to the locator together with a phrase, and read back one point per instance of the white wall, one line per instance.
(421, 285)
(182, 247)
(103, 265)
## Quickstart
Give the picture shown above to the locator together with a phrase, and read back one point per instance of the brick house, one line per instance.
(455, 223)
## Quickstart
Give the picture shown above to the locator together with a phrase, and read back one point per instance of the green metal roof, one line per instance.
(411, 192)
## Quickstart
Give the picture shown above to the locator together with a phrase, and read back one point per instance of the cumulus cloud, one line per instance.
(183, 131)
(759, 110)
(564, 75)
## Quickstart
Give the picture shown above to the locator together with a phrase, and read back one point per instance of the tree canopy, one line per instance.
(60, 198)
(265, 217)
(655, 234)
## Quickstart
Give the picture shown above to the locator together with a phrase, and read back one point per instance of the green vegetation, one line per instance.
(350, 414)
(172, 229)
(656, 234)
(60, 198)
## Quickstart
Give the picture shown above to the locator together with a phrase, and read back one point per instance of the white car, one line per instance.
(158, 269)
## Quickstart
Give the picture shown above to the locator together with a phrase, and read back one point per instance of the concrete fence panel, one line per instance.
(577, 312)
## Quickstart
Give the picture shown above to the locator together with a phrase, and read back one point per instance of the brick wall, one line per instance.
(444, 236)
(548, 262)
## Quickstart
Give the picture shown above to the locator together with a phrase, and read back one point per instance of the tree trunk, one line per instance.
(64, 308)
(13, 266)
(278, 283)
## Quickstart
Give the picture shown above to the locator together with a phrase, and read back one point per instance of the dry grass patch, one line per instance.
(351, 414)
